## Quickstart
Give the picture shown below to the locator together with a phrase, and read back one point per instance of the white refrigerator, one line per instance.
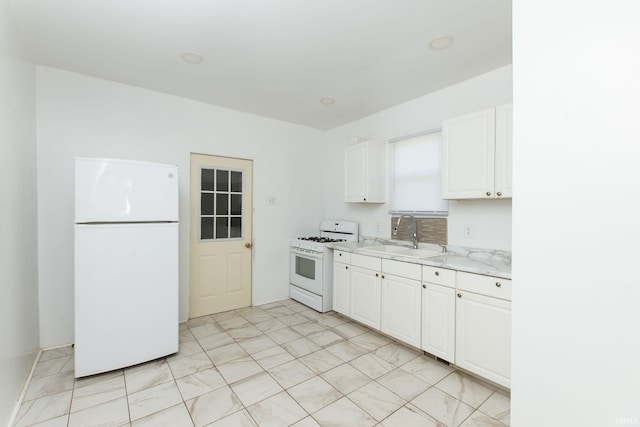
(126, 263)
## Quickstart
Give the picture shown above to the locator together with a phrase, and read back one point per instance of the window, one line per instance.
(221, 196)
(416, 175)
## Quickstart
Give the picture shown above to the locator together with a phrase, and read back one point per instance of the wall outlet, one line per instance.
(468, 232)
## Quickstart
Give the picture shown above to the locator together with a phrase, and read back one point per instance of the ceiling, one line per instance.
(274, 58)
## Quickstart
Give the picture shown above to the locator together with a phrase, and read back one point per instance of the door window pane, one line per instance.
(236, 204)
(206, 203)
(206, 228)
(222, 227)
(221, 204)
(236, 181)
(236, 227)
(206, 179)
(222, 178)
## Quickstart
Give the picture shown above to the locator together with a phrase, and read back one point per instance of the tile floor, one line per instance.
(279, 364)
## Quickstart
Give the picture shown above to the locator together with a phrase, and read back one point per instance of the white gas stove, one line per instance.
(311, 269)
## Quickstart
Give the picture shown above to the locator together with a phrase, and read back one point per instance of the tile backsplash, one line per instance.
(430, 230)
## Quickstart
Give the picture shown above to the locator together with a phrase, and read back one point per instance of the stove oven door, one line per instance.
(306, 270)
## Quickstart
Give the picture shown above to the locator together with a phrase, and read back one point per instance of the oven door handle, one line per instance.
(307, 253)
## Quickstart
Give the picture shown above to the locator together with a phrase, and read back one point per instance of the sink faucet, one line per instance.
(414, 236)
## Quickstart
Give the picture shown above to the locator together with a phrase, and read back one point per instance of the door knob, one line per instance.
(248, 245)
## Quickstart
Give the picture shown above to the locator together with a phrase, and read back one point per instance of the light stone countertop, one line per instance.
(480, 261)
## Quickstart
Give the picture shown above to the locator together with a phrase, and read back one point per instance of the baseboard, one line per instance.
(14, 415)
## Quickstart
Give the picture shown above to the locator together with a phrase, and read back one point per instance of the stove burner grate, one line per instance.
(321, 239)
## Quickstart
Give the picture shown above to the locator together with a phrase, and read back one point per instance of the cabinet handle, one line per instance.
(437, 273)
(424, 286)
(498, 284)
(488, 193)
(499, 193)
(459, 295)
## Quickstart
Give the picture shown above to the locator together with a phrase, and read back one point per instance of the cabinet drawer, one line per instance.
(370, 262)
(485, 285)
(402, 269)
(439, 276)
(342, 256)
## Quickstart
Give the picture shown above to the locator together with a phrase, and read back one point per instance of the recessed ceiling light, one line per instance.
(440, 43)
(327, 101)
(192, 58)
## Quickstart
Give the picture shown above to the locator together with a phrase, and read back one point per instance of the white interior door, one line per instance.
(220, 256)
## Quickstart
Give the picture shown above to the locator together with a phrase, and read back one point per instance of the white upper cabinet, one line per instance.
(504, 151)
(364, 173)
(476, 155)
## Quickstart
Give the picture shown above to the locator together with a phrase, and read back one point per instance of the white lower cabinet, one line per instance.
(439, 320)
(460, 317)
(341, 287)
(401, 306)
(365, 296)
(483, 335)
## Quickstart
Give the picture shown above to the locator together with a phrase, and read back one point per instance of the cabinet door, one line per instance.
(504, 154)
(439, 321)
(341, 280)
(483, 336)
(365, 296)
(468, 156)
(355, 173)
(401, 306)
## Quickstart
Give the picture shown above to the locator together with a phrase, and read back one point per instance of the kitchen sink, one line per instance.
(421, 253)
(403, 251)
(385, 249)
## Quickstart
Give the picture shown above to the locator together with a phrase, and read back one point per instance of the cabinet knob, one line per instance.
(346, 266)
(499, 193)
(383, 276)
(377, 275)
(488, 193)
(424, 286)
(340, 254)
(437, 273)
(498, 284)
(459, 295)
(364, 199)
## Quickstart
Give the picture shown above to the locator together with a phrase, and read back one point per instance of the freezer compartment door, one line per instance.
(126, 295)
(108, 190)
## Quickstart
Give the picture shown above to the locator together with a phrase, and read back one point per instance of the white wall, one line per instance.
(576, 297)
(490, 219)
(84, 116)
(18, 222)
